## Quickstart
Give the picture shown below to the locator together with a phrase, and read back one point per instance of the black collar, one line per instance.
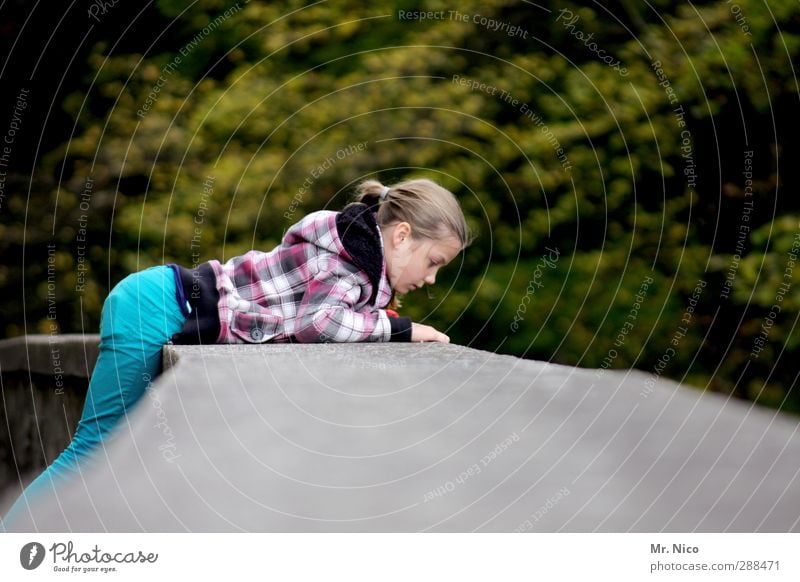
(358, 231)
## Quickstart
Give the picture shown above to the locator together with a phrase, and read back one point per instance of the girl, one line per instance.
(332, 279)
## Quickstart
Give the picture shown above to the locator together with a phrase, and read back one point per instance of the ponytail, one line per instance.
(369, 192)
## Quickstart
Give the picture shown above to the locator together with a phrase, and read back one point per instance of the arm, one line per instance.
(328, 312)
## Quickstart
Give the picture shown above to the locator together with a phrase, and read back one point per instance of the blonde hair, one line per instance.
(432, 211)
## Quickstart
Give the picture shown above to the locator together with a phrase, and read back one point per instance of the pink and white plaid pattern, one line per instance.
(307, 288)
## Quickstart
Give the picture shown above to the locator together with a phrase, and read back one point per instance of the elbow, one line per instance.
(314, 330)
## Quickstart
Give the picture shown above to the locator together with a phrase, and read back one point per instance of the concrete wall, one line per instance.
(44, 381)
(429, 437)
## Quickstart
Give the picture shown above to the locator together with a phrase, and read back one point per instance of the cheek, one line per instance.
(399, 265)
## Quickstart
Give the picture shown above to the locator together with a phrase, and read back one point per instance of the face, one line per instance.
(412, 263)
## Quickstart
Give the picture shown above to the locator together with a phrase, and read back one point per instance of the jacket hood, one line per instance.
(353, 232)
(361, 237)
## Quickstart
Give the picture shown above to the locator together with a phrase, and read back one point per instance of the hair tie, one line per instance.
(384, 192)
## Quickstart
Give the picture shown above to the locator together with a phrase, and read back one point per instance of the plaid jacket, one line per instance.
(325, 282)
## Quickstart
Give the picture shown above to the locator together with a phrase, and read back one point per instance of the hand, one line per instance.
(425, 333)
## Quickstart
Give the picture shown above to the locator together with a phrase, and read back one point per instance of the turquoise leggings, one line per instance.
(139, 316)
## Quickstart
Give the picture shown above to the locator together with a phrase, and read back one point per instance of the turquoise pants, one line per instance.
(139, 316)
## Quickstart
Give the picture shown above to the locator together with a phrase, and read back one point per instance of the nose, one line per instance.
(430, 279)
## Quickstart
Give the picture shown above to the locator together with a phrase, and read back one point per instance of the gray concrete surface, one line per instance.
(74, 354)
(44, 380)
(429, 437)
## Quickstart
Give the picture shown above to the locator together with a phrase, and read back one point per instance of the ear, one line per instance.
(401, 233)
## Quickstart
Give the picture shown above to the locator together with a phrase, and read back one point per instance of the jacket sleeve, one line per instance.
(328, 312)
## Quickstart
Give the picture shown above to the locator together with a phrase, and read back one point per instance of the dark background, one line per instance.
(265, 93)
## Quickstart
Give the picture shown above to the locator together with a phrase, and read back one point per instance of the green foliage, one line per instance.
(556, 149)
